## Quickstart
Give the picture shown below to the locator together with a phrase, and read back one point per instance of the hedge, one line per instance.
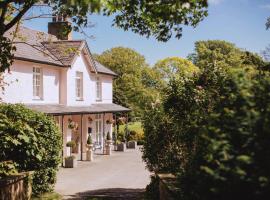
(33, 141)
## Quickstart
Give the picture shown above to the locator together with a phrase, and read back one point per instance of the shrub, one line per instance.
(7, 168)
(140, 142)
(213, 131)
(71, 144)
(108, 136)
(89, 140)
(33, 142)
(152, 189)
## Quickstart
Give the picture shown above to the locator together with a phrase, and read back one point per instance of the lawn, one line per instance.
(133, 126)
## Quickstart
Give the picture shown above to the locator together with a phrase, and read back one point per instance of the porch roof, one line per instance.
(59, 109)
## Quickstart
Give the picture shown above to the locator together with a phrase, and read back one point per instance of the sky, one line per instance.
(241, 22)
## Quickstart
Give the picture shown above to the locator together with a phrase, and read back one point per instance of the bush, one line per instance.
(89, 140)
(71, 144)
(213, 131)
(152, 189)
(33, 142)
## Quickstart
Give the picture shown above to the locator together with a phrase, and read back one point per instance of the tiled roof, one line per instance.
(36, 46)
(102, 69)
(57, 109)
(65, 50)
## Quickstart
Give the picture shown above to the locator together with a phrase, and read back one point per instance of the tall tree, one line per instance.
(129, 88)
(223, 54)
(161, 19)
(174, 66)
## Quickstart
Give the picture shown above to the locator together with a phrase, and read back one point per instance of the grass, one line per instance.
(133, 126)
(48, 196)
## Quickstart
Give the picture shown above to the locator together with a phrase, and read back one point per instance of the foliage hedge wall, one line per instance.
(213, 132)
(33, 142)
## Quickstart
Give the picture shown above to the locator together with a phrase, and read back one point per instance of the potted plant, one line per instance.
(108, 138)
(121, 146)
(108, 144)
(72, 125)
(70, 161)
(90, 120)
(109, 121)
(89, 149)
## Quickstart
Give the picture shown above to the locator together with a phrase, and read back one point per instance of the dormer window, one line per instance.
(37, 83)
(79, 86)
(98, 89)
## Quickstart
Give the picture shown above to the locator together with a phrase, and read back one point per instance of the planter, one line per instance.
(132, 145)
(121, 147)
(16, 186)
(89, 153)
(70, 162)
(108, 150)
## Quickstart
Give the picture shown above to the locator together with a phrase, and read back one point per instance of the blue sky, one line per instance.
(239, 21)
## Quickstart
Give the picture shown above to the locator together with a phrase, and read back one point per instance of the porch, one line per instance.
(77, 123)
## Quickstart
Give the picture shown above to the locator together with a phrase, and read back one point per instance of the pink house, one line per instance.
(58, 76)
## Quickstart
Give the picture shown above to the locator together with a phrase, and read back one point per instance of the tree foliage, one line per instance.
(33, 142)
(224, 54)
(148, 17)
(129, 88)
(174, 66)
(212, 130)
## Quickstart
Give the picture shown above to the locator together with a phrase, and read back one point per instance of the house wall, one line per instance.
(20, 80)
(89, 85)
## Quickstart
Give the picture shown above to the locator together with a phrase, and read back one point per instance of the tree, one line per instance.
(223, 54)
(161, 19)
(174, 66)
(130, 88)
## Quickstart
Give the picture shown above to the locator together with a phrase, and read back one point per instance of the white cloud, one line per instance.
(214, 2)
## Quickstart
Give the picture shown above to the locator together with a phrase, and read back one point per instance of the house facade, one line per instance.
(58, 76)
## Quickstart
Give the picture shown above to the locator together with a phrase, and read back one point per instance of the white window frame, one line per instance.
(37, 84)
(99, 129)
(98, 89)
(79, 86)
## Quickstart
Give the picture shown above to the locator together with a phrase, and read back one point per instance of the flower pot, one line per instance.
(70, 162)
(121, 147)
(108, 150)
(132, 145)
(89, 152)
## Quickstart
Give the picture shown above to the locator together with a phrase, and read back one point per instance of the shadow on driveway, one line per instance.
(110, 194)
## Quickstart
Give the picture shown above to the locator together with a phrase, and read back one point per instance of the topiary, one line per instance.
(109, 136)
(71, 144)
(89, 140)
(33, 141)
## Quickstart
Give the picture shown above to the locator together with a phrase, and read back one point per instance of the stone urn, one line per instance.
(108, 149)
(89, 152)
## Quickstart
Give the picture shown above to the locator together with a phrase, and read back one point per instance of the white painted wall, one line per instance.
(58, 84)
(20, 88)
(89, 85)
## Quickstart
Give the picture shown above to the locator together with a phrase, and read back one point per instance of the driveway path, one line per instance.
(119, 176)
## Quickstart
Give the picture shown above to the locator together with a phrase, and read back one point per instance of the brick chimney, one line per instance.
(60, 27)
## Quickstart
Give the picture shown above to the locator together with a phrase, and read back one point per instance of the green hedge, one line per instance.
(33, 142)
(213, 131)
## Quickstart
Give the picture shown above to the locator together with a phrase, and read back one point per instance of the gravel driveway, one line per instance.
(119, 176)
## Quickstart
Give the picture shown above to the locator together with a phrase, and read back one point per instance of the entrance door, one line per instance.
(99, 135)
